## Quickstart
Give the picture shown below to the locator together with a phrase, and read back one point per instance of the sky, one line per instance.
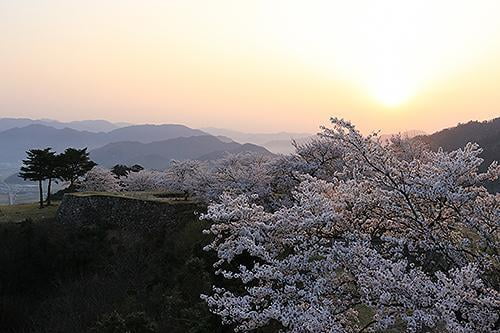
(259, 66)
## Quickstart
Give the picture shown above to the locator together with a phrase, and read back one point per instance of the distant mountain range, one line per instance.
(15, 141)
(152, 146)
(155, 145)
(83, 125)
(275, 142)
(279, 143)
(157, 155)
(257, 138)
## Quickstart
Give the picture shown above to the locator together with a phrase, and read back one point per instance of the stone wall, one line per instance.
(121, 211)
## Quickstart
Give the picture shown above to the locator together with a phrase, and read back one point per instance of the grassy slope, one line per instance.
(19, 213)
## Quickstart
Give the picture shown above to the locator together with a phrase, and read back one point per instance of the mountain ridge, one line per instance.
(15, 141)
(92, 125)
(157, 155)
(485, 133)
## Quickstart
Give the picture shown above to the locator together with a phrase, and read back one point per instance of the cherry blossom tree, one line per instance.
(187, 176)
(392, 236)
(316, 157)
(243, 173)
(320, 158)
(145, 180)
(99, 180)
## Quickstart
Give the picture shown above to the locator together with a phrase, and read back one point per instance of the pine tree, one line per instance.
(120, 170)
(36, 167)
(73, 164)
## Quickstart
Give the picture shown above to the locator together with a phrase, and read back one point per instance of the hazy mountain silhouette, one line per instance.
(151, 133)
(256, 138)
(83, 125)
(15, 141)
(143, 143)
(279, 142)
(157, 155)
(241, 148)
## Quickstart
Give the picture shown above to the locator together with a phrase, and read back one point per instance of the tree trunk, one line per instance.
(40, 189)
(48, 192)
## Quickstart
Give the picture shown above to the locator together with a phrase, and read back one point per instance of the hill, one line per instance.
(152, 133)
(15, 141)
(157, 155)
(81, 125)
(484, 133)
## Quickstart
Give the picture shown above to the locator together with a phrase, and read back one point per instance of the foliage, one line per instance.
(270, 179)
(34, 258)
(99, 180)
(243, 173)
(187, 176)
(44, 164)
(75, 163)
(57, 278)
(121, 170)
(145, 180)
(485, 133)
(136, 322)
(349, 234)
(38, 166)
(408, 233)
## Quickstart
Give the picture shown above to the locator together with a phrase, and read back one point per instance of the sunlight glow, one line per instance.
(391, 93)
(260, 64)
(391, 49)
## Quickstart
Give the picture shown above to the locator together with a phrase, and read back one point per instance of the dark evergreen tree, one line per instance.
(136, 168)
(120, 170)
(73, 164)
(35, 167)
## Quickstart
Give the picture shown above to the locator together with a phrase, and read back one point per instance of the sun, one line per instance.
(377, 51)
(393, 50)
(392, 89)
(391, 95)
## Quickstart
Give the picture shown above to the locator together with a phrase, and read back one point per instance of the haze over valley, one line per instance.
(154, 146)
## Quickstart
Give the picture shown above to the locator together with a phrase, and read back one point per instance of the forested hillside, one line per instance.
(485, 133)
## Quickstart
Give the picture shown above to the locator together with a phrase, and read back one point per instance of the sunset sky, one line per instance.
(389, 65)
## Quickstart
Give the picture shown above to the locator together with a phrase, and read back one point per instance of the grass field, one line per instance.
(169, 197)
(21, 212)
